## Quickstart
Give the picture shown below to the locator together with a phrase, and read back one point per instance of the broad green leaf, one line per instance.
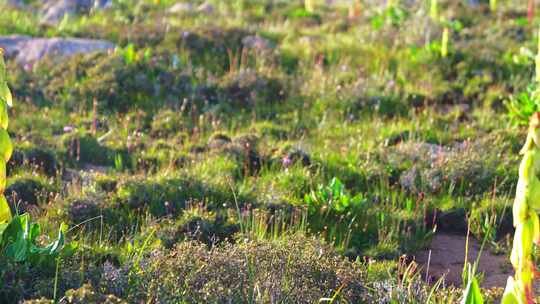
(472, 293)
(55, 247)
(16, 236)
(20, 236)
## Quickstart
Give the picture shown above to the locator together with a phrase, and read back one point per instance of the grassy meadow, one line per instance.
(266, 151)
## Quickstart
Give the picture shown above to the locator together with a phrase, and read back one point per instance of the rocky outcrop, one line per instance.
(27, 51)
(54, 11)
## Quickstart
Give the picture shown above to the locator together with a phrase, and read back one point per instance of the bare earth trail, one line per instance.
(447, 259)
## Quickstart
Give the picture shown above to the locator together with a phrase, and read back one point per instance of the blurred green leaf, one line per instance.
(472, 294)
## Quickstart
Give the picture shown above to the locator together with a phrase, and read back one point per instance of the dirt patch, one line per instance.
(447, 257)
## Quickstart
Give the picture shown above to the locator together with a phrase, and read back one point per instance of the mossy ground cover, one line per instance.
(255, 152)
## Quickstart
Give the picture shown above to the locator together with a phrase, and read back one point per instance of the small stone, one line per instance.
(181, 7)
(54, 11)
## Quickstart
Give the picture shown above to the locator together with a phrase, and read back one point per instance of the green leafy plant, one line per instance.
(18, 237)
(6, 148)
(472, 294)
(333, 198)
(19, 242)
(335, 213)
(522, 108)
(132, 55)
(392, 14)
(519, 288)
(523, 105)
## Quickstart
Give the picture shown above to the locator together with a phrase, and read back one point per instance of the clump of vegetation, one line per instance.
(334, 211)
(19, 245)
(303, 271)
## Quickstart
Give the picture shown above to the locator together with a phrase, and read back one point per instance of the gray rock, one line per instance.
(181, 7)
(12, 44)
(184, 7)
(27, 51)
(54, 11)
(15, 3)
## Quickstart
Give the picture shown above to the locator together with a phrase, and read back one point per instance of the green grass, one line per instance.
(205, 145)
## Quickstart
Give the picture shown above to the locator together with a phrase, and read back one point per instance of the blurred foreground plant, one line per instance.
(519, 289)
(472, 294)
(6, 147)
(433, 10)
(309, 5)
(493, 5)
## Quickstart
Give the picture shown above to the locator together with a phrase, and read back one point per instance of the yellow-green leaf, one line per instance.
(513, 294)
(5, 212)
(536, 227)
(472, 294)
(4, 121)
(6, 147)
(5, 94)
(3, 178)
(2, 66)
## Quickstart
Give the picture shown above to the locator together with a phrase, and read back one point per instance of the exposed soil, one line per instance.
(447, 259)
